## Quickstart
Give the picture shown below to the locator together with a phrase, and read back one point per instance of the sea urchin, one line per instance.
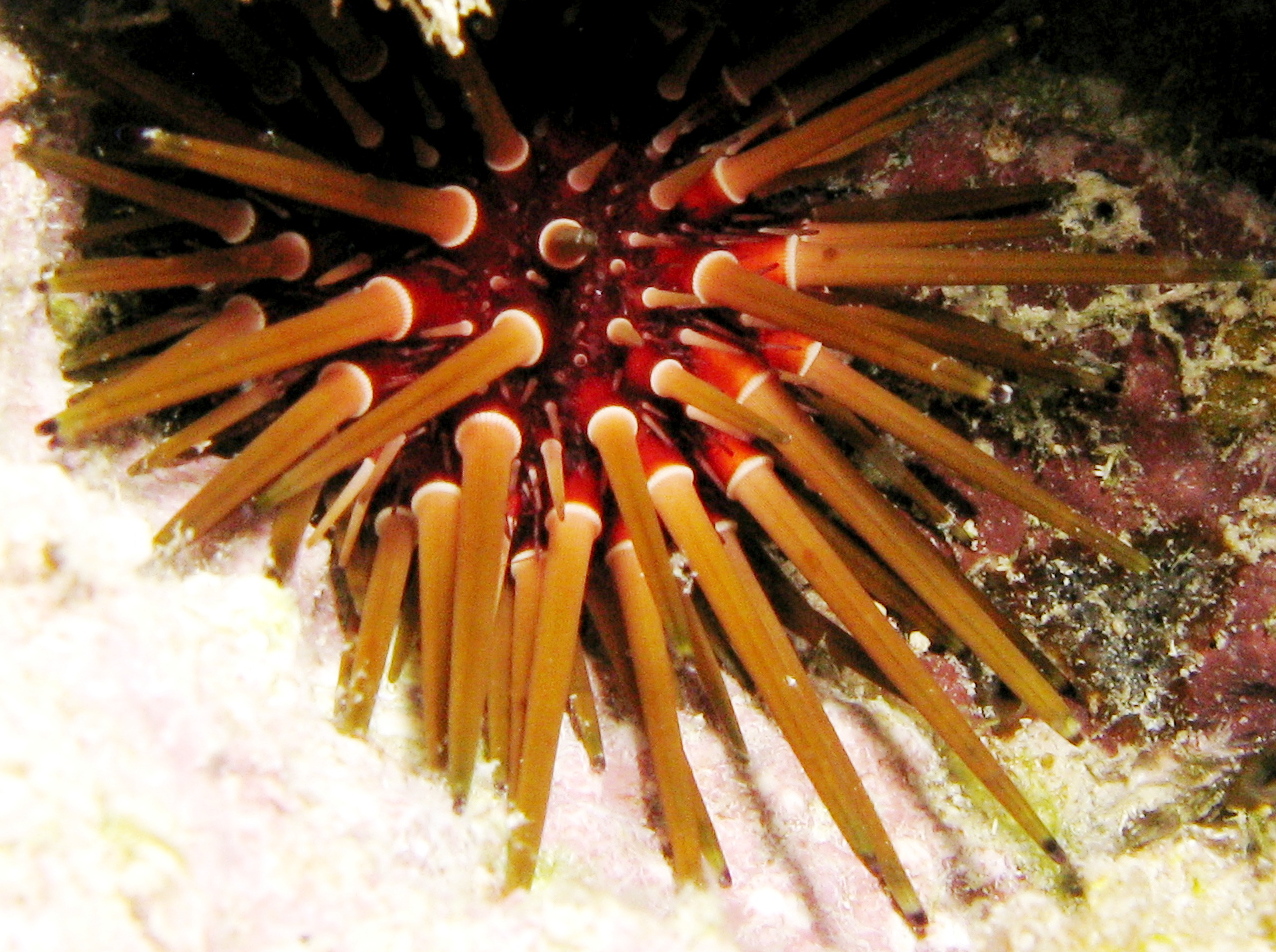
(592, 341)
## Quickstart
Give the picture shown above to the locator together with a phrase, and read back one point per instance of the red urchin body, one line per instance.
(584, 367)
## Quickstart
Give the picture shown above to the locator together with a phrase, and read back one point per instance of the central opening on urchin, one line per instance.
(565, 243)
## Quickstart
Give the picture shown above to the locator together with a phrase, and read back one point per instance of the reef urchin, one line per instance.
(530, 383)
